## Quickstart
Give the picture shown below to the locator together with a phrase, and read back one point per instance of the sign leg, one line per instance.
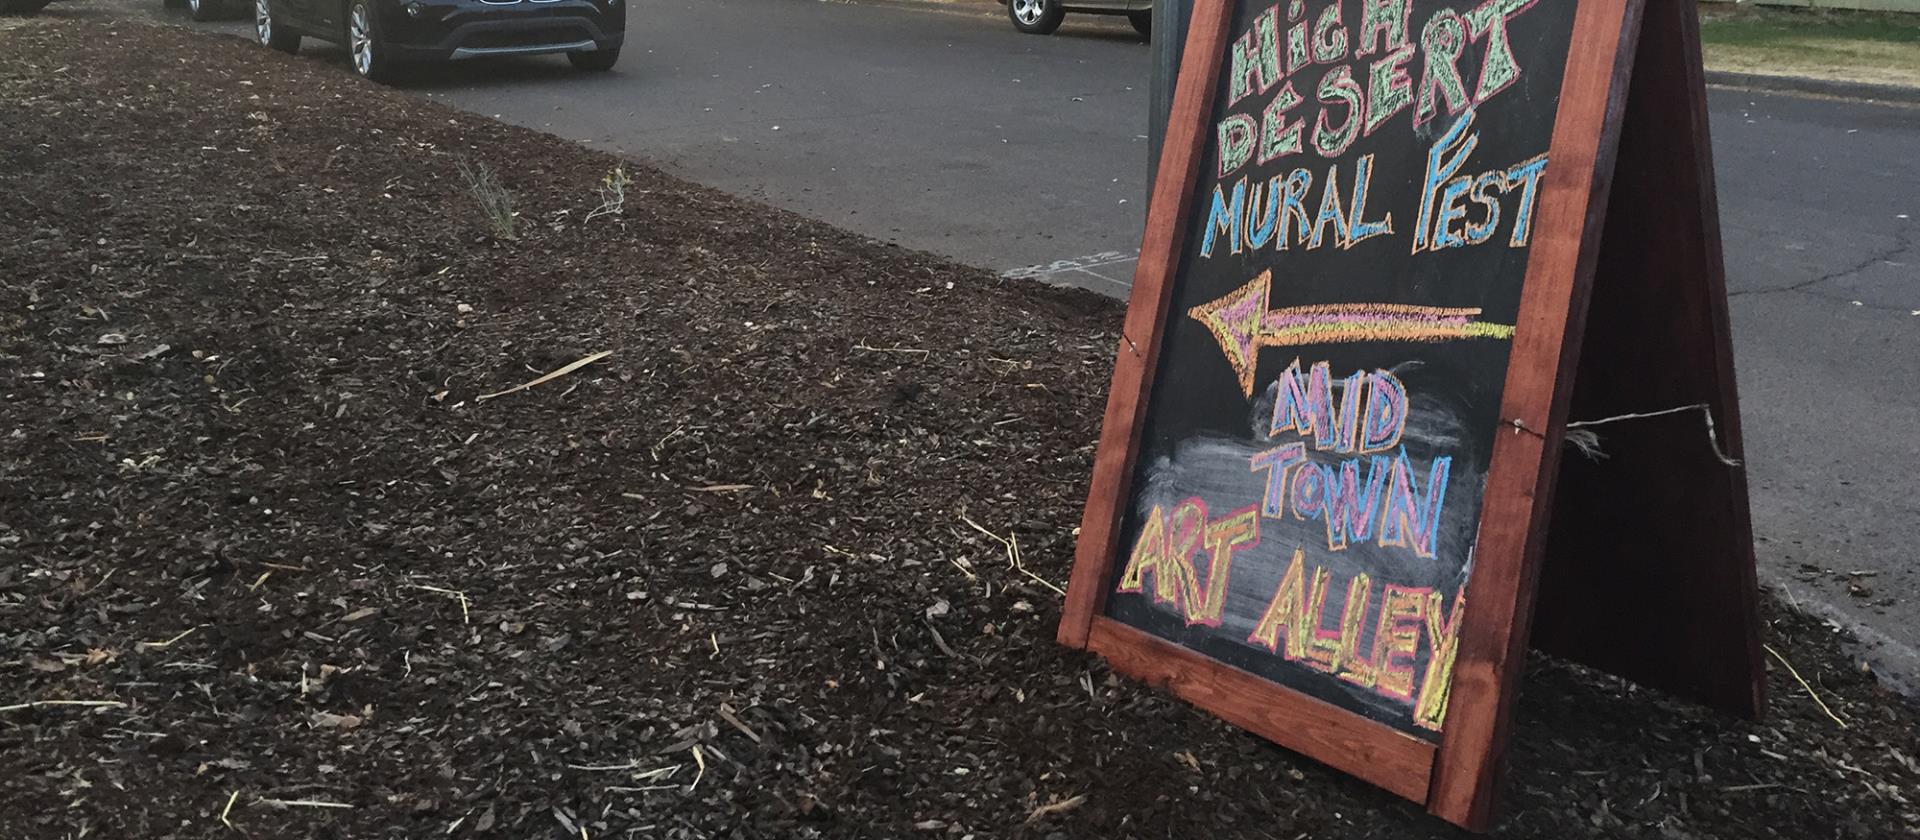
(1649, 572)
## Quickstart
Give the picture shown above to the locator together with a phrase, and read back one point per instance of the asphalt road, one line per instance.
(942, 129)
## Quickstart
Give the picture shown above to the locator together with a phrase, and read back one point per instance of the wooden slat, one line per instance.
(1336, 737)
(1519, 485)
(1113, 463)
(1649, 571)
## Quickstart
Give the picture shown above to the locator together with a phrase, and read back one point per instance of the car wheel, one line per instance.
(1142, 23)
(364, 44)
(206, 10)
(272, 36)
(22, 7)
(1036, 17)
(597, 61)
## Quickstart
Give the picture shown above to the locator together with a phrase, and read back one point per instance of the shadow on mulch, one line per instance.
(719, 583)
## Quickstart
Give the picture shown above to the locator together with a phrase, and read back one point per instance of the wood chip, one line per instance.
(333, 721)
(726, 714)
(1060, 807)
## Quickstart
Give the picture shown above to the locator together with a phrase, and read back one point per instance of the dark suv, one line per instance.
(382, 35)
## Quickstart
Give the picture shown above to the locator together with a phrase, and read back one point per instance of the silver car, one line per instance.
(1041, 17)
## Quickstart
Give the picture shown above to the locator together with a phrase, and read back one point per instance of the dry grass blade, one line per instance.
(863, 346)
(571, 367)
(168, 643)
(1012, 544)
(658, 773)
(302, 803)
(961, 564)
(96, 704)
(1060, 807)
(597, 768)
(466, 616)
(228, 810)
(700, 760)
(103, 581)
(1803, 684)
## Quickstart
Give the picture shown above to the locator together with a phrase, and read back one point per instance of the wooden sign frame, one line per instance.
(1682, 576)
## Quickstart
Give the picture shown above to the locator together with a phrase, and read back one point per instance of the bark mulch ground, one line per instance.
(732, 580)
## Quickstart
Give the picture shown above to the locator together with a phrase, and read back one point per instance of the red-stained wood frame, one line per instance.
(1458, 779)
(1518, 498)
(1167, 208)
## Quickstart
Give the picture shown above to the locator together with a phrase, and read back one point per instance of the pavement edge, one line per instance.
(1823, 87)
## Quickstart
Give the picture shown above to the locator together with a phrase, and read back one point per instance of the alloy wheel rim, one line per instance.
(1028, 11)
(358, 40)
(262, 21)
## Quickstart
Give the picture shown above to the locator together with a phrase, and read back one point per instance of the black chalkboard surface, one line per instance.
(1307, 492)
(1319, 507)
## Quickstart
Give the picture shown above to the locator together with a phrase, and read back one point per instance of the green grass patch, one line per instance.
(1828, 43)
(1751, 26)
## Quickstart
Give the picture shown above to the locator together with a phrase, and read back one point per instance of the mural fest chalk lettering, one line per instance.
(1309, 483)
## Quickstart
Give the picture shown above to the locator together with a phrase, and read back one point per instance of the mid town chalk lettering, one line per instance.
(1334, 492)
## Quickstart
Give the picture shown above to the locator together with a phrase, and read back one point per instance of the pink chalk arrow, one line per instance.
(1242, 323)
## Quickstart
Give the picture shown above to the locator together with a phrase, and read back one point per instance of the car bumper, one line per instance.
(439, 30)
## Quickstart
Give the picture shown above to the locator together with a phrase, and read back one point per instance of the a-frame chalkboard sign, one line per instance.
(1391, 246)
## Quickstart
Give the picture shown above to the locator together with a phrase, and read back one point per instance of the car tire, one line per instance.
(22, 7)
(596, 61)
(1142, 23)
(206, 10)
(1036, 17)
(269, 35)
(366, 49)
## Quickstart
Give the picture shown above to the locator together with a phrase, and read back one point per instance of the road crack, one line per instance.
(1903, 241)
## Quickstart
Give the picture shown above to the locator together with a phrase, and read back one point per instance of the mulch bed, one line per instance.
(733, 580)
